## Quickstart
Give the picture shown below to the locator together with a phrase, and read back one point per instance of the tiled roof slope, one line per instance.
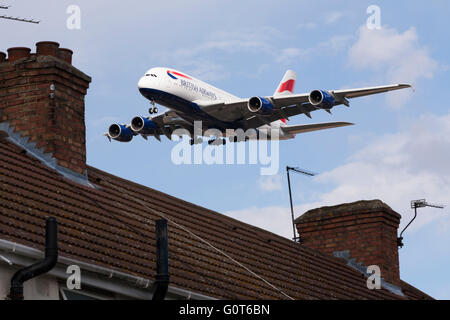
(109, 227)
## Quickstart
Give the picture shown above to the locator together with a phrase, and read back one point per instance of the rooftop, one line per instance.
(112, 225)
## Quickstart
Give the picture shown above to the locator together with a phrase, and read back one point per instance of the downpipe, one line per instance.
(40, 267)
(162, 279)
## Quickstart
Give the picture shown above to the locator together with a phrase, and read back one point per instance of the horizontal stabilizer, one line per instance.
(314, 127)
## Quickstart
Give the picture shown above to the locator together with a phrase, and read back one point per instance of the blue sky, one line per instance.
(398, 150)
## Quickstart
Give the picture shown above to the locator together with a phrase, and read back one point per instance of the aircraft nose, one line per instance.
(141, 82)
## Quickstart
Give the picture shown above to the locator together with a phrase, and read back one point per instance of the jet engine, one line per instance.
(120, 132)
(321, 99)
(260, 105)
(143, 125)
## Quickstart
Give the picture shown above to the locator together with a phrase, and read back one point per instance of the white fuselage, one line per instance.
(182, 85)
(173, 84)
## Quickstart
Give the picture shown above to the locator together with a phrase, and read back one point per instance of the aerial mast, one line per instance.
(299, 171)
(422, 203)
(2, 16)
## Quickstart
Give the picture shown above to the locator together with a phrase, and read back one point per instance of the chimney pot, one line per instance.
(18, 53)
(47, 48)
(65, 54)
(2, 57)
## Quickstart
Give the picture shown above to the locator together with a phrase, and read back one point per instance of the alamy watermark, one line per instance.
(73, 22)
(263, 147)
(74, 280)
(374, 280)
(374, 20)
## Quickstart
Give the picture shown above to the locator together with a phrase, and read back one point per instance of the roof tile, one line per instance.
(113, 226)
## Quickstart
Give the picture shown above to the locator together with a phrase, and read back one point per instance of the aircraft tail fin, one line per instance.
(287, 84)
(286, 87)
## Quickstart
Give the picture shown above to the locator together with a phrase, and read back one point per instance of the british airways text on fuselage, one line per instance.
(195, 88)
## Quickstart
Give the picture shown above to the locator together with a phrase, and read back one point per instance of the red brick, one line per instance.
(368, 232)
(25, 88)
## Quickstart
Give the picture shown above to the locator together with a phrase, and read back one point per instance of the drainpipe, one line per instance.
(162, 261)
(40, 267)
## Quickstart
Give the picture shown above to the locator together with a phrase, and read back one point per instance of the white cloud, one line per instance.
(205, 70)
(395, 168)
(308, 26)
(333, 17)
(242, 39)
(289, 55)
(399, 56)
(270, 183)
(337, 43)
(328, 19)
(330, 46)
(199, 61)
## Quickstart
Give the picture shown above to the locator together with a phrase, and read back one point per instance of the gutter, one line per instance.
(94, 276)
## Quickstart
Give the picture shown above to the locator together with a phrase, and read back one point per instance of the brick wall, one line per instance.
(368, 229)
(54, 120)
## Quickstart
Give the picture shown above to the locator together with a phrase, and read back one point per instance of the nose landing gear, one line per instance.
(153, 108)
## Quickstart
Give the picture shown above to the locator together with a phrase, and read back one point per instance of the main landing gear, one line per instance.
(153, 109)
(197, 140)
(217, 142)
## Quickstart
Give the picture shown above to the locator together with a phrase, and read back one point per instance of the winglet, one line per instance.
(407, 85)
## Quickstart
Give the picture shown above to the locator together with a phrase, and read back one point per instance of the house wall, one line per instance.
(43, 287)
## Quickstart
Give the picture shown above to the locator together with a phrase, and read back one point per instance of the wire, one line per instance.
(143, 235)
(212, 246)
(19, 19)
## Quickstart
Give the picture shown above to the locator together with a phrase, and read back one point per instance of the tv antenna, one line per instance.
(422, 203)
(16, 18)
(305, 173)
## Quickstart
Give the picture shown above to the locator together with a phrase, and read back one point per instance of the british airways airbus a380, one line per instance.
(190, 99)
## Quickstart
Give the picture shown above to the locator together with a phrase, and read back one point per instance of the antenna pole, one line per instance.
(422, 203)
(400, 239)
(290, 200)
(303, 172)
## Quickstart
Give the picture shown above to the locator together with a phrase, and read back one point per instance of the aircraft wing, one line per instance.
(355, 93)
(314, 127)
(237, 114)
(285, 106)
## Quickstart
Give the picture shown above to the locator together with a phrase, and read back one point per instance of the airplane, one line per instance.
(190, 100)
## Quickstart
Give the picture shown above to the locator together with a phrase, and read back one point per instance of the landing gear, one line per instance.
(217, 142)
(153, 109)
(196, 141)
(238, 139)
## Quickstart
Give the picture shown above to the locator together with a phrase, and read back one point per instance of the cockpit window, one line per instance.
(150, 75)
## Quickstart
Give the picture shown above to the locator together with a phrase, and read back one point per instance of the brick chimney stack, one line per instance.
(366, 229)
(42, 98)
